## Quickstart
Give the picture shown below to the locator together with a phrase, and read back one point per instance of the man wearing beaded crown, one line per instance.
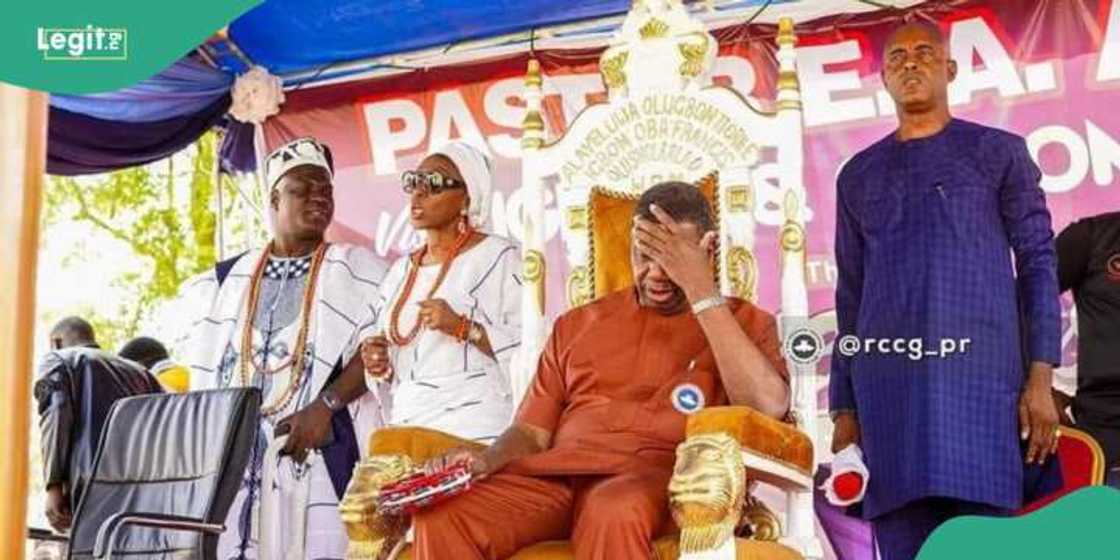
(286, 319)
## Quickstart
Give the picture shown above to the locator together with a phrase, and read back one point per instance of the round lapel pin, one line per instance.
(687, 398)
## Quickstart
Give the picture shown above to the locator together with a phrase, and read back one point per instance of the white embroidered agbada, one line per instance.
(439, 382)
(301, 496)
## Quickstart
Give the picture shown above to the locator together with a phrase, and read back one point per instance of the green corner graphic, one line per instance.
(83, 46)
(1081, 525)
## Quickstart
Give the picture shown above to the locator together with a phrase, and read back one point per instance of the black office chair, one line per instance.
(167, 469)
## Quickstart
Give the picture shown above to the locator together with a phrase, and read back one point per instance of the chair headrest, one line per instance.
(175, 454)
(169, 436)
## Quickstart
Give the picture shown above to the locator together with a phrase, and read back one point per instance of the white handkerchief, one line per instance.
(848, 460)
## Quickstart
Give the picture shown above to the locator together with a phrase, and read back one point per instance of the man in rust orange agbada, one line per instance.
(591, 450)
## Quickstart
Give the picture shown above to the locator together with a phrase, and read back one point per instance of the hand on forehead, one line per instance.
(666, 223)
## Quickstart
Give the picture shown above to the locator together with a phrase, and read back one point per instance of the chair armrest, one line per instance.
(107, 534)
(45, 535)
(416, 443)
(773, 451)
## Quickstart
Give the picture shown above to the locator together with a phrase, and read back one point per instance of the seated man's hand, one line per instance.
(845, 431)
(58, 508)
(475, 459)
(375, 357)
(307, 429)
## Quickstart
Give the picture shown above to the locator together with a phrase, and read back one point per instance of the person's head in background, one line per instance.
(72, 331)
(153, 355)
(144, 350)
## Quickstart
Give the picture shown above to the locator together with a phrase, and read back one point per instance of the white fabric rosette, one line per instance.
(257, 95)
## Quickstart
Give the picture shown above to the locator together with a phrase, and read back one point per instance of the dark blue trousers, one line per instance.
(900, 534)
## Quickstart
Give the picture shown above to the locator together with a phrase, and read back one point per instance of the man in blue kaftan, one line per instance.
(942, 236)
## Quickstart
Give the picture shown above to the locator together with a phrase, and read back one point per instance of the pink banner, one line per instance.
(1049, 71)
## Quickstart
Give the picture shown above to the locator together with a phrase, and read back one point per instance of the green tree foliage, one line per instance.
(162, 211)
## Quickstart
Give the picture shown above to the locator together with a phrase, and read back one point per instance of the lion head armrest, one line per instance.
(773, 451)
(709, 495)
(725, 449)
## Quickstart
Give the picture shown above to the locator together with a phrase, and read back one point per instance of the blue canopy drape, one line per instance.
(79, 144)
(143, 123)
(186, 87)
(292, 35)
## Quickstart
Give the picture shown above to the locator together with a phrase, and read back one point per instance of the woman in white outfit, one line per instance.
(449, 319)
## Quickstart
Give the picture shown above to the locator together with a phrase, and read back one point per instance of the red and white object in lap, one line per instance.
(421, 490)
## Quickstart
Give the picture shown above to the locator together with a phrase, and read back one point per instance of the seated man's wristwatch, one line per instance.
(707, 303)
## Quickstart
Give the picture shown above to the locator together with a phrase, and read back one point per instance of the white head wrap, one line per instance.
(477, 173)
(301, 151)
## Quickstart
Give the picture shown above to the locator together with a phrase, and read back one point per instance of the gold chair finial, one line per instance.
(791, 206)
(533, 73)
(653, 29)
(785, 32)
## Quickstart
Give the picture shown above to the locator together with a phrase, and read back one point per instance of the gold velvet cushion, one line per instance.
(418, 444)
(757, 432)
(610, 223)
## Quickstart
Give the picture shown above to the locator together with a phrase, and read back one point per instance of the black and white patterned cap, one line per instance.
(301, 151)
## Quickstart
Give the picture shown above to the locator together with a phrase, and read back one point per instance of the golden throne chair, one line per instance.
(735, 446)
(726, 451)
(746, 157)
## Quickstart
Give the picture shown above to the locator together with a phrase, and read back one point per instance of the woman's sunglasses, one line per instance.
(428, 182)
